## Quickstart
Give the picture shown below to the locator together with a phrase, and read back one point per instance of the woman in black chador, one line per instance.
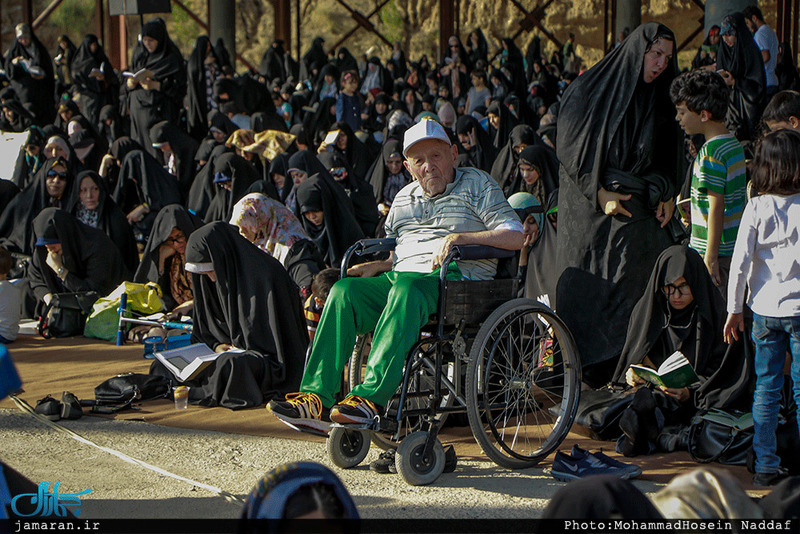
(619, 147)
(70, 256)
(243, 299)
(30, 70)
(681, 310)
(740, 63)
(162, 97)
(94, 78)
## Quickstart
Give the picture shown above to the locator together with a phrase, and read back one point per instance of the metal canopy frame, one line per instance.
(114, 35)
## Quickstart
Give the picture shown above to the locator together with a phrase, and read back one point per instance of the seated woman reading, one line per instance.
(164, 259)
(243, 299)
(681, 310)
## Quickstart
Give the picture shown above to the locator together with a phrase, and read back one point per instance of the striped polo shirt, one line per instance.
(473, 202)
(718, 168)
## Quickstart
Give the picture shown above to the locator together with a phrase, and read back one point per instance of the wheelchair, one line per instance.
(509, 363)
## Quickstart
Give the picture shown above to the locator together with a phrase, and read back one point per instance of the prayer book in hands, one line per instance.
(675, 372)
(188, 362)
(140, 75)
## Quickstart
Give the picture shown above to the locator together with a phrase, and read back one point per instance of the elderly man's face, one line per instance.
(432, 163)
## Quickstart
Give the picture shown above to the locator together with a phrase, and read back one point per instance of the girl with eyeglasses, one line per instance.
(681, 310)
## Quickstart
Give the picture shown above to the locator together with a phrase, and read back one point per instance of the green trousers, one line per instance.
(395, 306)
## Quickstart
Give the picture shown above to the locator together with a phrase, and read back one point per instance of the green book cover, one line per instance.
(675, 372)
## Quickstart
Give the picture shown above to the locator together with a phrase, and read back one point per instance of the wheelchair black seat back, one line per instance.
(505, 361)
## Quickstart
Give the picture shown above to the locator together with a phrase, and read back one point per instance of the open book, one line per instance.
(140, 75)
(188, 362)
(675, 372)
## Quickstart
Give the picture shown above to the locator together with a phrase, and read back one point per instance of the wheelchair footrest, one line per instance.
(379, 424)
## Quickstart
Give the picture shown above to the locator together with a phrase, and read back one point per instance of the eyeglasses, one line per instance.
(177, 239)
(682, 289)
(54, 174)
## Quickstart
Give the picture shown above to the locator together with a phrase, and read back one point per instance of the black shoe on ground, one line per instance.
(623, 470)
(385, 463)
(49, 407)
(770, 479)
(70, 406)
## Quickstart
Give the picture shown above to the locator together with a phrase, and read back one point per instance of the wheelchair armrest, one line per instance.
(480, 252)
(366, 246)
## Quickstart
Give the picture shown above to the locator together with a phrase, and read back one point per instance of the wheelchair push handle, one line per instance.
(366, 246)
(473, 252)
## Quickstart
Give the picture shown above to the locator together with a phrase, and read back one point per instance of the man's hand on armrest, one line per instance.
(373, 268)
(505, 239)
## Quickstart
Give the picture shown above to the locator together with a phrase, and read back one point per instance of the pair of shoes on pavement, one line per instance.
(304, 411)
(68, 408)
(581, 463)
(764, 480)
(385, 462)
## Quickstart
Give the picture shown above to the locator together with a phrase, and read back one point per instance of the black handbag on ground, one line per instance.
(66, 314)
(721, 436)
(126, 388)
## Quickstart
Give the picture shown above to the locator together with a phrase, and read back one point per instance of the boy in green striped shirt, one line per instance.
(718, 171)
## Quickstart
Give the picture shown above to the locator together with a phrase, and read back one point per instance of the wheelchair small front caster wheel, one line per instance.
(417, 468)
(347, 448)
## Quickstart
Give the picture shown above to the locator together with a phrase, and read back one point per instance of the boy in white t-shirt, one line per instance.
(10, 300)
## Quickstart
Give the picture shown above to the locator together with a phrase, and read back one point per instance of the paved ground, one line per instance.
(233, 463)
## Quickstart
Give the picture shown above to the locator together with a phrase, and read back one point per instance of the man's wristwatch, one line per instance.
(60, 272)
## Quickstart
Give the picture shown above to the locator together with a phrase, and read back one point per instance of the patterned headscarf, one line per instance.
(268, 224)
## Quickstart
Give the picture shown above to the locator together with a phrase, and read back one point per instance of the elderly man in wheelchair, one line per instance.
(442, 208)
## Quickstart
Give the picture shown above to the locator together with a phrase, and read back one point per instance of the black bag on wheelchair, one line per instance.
(66, 314)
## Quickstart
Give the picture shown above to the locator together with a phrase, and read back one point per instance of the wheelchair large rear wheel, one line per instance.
(420, 383)
(523, 384)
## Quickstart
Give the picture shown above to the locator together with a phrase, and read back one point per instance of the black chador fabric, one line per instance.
(600, 497)
(184, 147)
(242, 175)
(507, 123)
(328, 69)
(359, 191)
(223, 56)
(152, 185)
(657, 330)
(479, 51)
(172, 216)
(203, 189)
(261, 121)
(253, 305)
(27, 166)
(36, 95)
(544, 160)
(8, 190)
(22, 118)
(218, 120)
(339, 229)
(743, 60)
(198, 88)
(94, 93)
(482, 154)
(92, 261)
(542, 276)
(115, 130)
(280, 166)
(345, 61)
(358, 155)
(64, 57)
(313, 60)
(16, 229)
(110, 219)
(318, 124)
(513, 61)
(618, 132)
(148, 107)
(273, 63)
(380, 173)
(505, 165)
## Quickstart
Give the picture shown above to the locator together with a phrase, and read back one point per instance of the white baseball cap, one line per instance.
(424, 129)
